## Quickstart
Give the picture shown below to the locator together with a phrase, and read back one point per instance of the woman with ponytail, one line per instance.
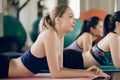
(102, 53)
(91, 30)
(47, 51)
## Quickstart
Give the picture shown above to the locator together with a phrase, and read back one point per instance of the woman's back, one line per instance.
(36, 49)
(110, 43)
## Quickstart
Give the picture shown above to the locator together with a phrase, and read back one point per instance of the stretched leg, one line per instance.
(4, 66)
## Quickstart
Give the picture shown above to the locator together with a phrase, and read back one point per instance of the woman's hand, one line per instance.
(99, 74)
(95, 69)
(103, 76)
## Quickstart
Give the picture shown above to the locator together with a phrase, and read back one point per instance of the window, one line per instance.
(75, 6)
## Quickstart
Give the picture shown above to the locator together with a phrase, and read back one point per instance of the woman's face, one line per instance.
(67, 21)
(98, 30)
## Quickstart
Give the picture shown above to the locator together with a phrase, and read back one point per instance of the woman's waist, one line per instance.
(103, 58)
(89, 60)
(17, 69)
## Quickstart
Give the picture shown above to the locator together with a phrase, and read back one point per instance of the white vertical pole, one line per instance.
(117, 5)
(27, 17)
(1, 18)
(75, 6)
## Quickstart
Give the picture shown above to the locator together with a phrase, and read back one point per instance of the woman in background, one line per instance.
(91, 30)
(103, 52)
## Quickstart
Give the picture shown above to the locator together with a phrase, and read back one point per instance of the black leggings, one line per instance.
(72, 59)
(4, 66)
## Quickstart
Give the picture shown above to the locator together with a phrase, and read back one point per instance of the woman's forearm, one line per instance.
(72, 73)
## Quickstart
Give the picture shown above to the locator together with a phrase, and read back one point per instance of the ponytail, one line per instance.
(48, 21)
(83, 29)
(107, 24)
(45, 23)
(88, 24)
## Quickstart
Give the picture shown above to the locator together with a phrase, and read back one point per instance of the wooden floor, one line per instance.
(46, 76)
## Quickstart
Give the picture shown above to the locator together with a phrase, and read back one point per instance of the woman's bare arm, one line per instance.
(115, 50)
(51, 44)
(86, 42)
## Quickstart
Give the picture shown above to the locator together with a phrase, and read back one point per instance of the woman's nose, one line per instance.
(74, 21)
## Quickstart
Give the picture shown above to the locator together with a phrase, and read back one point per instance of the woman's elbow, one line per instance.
(117, 66)
(55, 75)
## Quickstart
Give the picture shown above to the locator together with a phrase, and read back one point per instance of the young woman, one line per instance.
(101, 54)
(90, 31)
(47, 50)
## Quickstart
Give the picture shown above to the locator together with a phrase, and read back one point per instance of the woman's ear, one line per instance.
(117, 23)
(91, 29)
(57, 20)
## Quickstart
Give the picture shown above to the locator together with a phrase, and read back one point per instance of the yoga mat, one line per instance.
(109, 69)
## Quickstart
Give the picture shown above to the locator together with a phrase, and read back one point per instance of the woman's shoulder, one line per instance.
(87, 35)
(47, 34)
(112, 35)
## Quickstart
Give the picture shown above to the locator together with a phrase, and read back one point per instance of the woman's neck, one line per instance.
(94, 38)
(60, 32)
(117, 31)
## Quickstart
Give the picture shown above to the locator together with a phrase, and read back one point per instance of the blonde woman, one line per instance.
(46, 52)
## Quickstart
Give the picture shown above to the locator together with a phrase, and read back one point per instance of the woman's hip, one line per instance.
(72, 59)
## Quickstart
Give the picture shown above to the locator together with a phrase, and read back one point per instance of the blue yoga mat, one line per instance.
(109, 68)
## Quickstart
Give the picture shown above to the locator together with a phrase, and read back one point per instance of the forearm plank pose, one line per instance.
(46, 52)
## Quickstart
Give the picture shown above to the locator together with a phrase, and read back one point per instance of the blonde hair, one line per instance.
(48, 21)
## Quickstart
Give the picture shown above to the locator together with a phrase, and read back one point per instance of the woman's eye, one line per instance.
(71, 16)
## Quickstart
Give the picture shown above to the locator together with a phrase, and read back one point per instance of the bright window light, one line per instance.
(75, 6)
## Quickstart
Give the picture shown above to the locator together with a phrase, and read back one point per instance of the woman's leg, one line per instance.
(4, 66)
(72, 59)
